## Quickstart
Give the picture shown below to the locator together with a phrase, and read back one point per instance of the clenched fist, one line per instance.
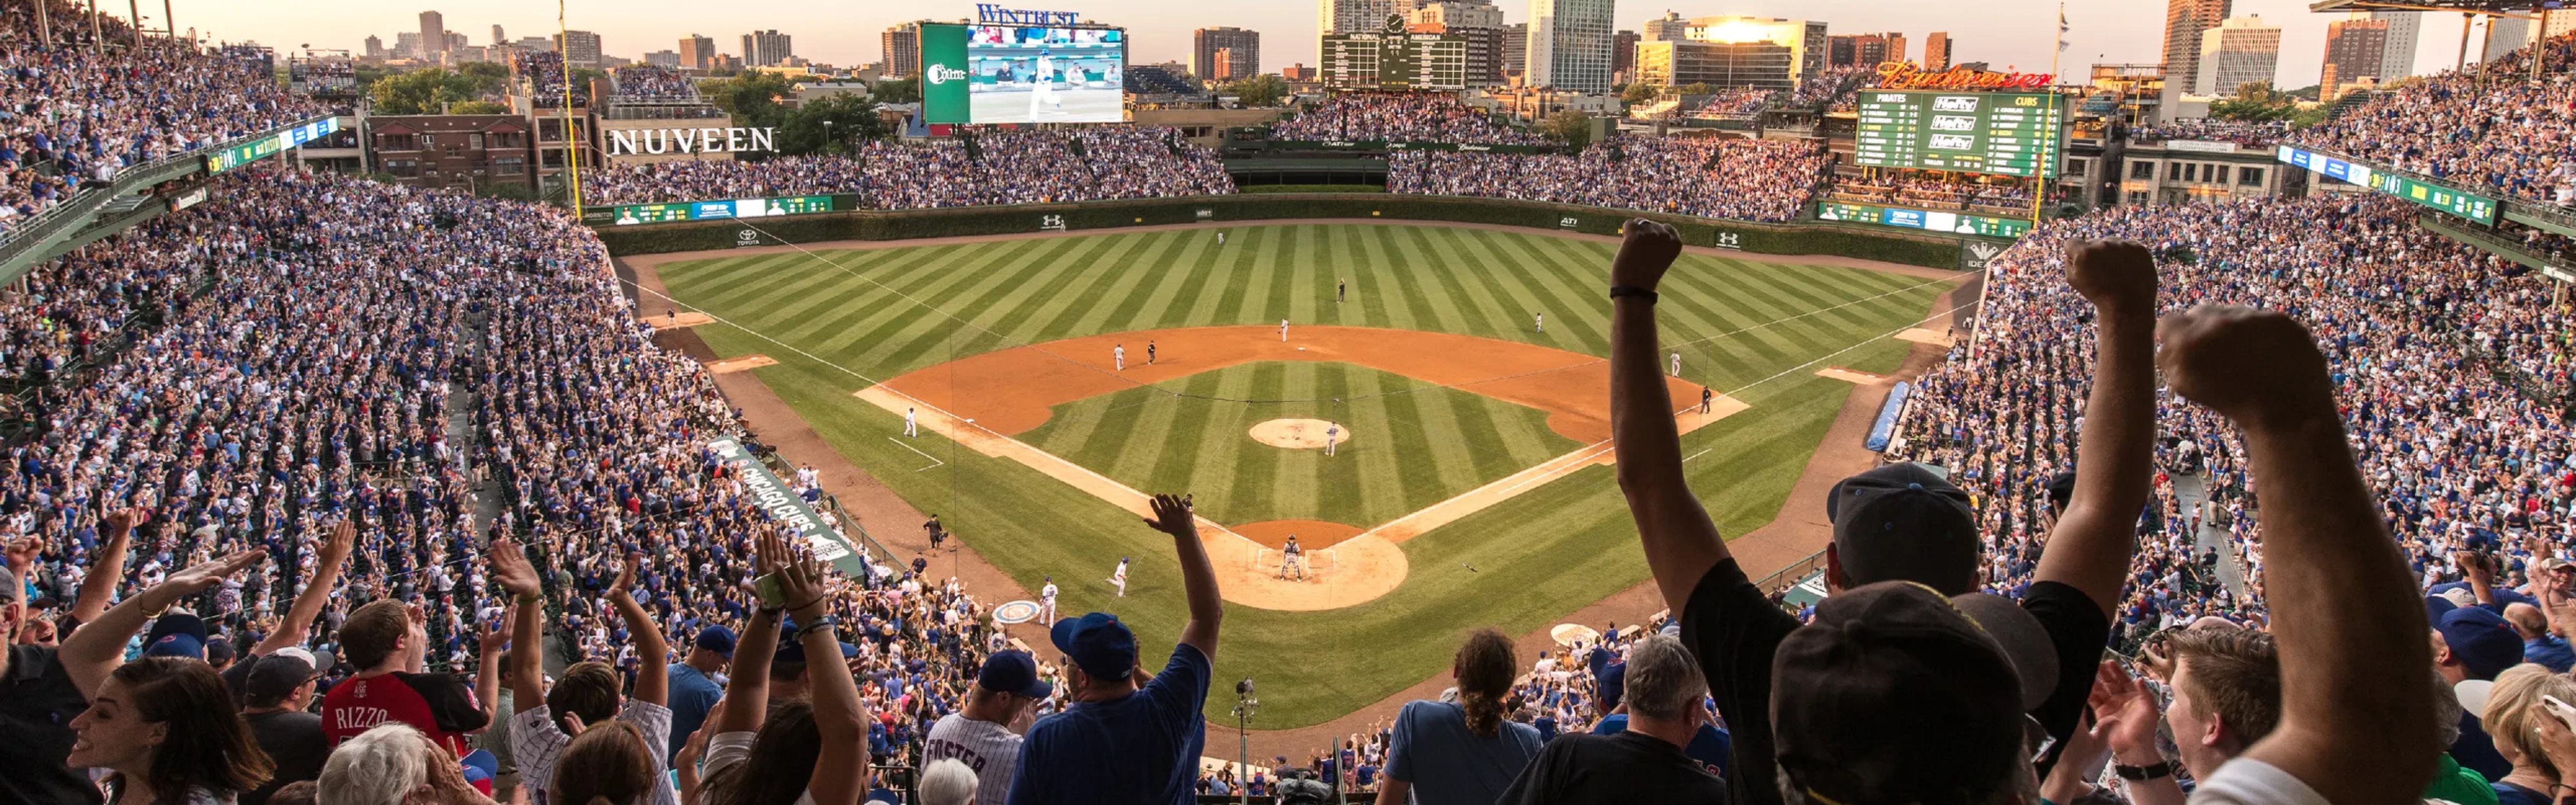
(1645, 255)
(2257, 367)
(2117, 276)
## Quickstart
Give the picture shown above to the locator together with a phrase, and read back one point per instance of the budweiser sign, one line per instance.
(1904, 75)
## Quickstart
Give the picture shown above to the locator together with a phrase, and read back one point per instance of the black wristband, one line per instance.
(1617, 291)
(2140, 773)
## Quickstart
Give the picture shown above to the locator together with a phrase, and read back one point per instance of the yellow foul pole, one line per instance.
(572, 146)
(2048, 143)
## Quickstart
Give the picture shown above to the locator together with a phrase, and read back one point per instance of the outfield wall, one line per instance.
(1867, 243)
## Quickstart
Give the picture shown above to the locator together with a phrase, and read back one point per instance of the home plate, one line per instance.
(1922, 336)
(731, 365)
(1849, 376)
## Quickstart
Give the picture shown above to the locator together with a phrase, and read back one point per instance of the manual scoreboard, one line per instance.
(2007, 134)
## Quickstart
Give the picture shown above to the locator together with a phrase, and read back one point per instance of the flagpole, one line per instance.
(2048, 147)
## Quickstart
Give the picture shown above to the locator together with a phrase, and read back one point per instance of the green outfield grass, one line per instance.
(838, 321)
(1407, 450)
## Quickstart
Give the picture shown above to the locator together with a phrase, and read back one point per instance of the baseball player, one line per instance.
(1332, 430)
(1540, 324)
(1042, 84)
(1283, 331)
(1046, 601)
(1119, 577)
(911, 429)
(1341, 290)
(1120, 352)
(1292, 557)
(1706, 396)
(1149, 353)
(1677, 363)
(1220, 238)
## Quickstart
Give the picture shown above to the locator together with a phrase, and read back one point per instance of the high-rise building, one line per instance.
(2240, 51)
(433, 34)
(1896, 47)
(902, 45)
(1569, 44)
(407, 44)
(1242, 53)
(497, 38)
(454, 41)
(1842, 50)
(1481, 24)
(1297, 73)
(1936, 51)
(1757, 63)
(2184, 22)
(1667, 28)
(375, 47)
(1623, 51)
(1871, 49)
(579, 48)
(1354, 16)
(2405, 31)
(766, 48)
(1516, 50)
(697, 52)
(1805, 39)
(535, 44)
(2561, 23)
(2354, 48)
(663, 58)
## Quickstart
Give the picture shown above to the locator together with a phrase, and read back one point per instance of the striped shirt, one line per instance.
(988, 748)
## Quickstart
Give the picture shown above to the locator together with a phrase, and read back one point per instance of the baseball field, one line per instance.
(1470, 484)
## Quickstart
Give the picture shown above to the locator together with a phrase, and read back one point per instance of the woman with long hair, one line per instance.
(607, 764)
(166, 729)
(1464, 752)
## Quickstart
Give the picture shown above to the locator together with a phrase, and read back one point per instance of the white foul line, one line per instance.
(935, 462)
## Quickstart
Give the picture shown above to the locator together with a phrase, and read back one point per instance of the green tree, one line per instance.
(1266, 89)
(1641, 92)
(478, 108)
(752, 97)
(2256, 102)
(421, 92)
(582, 76)
(899, 90)
(1701, 88)
(831, 125)
(1574, 127)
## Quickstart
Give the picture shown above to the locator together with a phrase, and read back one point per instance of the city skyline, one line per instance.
(2015, 33)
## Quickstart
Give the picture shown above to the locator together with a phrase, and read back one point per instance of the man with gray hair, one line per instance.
(1644, 764)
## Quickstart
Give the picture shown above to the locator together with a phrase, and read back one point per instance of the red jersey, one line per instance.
(435, 704)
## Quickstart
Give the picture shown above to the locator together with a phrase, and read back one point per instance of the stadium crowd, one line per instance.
(1000, 167)
(1924, 188)
(2252, 135)
(2490, 126)
(1418, 117)
(649, 82)
(1745, 179)
(76, 111)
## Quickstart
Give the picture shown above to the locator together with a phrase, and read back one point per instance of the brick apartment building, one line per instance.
(464, 152)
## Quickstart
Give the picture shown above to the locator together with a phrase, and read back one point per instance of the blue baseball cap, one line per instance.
(1098, 643)
(1013, 672)
(2480, 639)
(793, 650)
(176, 635)
(716, 639)
(1612, 684)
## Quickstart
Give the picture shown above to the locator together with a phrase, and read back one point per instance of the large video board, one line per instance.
(2008, 134)
(985, 74)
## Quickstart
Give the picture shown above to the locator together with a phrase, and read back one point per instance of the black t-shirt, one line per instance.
(37, 705)
(1735, 631)
(1614, 770)
(294, 742)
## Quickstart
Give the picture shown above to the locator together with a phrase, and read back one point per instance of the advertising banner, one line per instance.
(773, 496)
(944, 93)
(1928, 220)
(249, 151)
(2465, 205)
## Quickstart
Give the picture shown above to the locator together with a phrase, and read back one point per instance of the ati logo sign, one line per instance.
(1567, 222)
(1730, 240)
(1051, 223)
(1977, 255)
(941, 74)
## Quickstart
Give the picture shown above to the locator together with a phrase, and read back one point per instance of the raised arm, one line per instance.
(2091, 547)
(652, 650)
(95, 649)
(108, 567)
(298, 623)
(487, 673)
(747, 694)
(841, 772)
(1681, 542)
(510, 568)
(1198, 576)
(2356, 723)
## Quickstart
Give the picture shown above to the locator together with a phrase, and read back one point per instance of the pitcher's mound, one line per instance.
(1297, 434)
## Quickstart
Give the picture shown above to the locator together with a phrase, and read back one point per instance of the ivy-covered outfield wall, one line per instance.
(1800, 238)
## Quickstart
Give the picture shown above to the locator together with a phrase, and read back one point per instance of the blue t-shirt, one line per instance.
(692, 695)
(1142, 749)
(2549, 650)
(1447, 763)
(1712, 747)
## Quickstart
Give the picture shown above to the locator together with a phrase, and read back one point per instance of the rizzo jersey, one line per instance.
(436, 704)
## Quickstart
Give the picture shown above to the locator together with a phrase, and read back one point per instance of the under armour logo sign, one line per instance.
(1051, 222)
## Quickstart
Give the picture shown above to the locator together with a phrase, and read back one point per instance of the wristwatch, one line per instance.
(2165, 769)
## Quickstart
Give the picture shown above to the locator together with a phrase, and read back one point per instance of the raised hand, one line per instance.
(1646, 254)
(496, 638)
(207, 574)
(510, 568)
(2253, 366)
(21, 555)
(121, 522)
(1171, 516)
(800, 580)
(2124, 713)
(2114, 275)
(342, 540)
(625, 583)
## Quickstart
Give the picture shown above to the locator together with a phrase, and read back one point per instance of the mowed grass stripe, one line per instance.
(1582, 326)
(991, 297)
(867, 315)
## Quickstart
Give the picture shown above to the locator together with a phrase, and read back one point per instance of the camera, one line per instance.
(1243, 688)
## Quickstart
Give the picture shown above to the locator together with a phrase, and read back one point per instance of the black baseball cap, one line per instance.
(1013, 672)
(1903, 522)
(276, 675)
(1897, 694)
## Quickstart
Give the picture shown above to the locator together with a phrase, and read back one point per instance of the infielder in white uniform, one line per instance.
(1119, 577)
(1283, 331)
(1540, 323)
(1331, 430)
(1046, 602)
(1120, 352)
(1677, 363)
(911, 429)
(1042, 85)
(1292, 557)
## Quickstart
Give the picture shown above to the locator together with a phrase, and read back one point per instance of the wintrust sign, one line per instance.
(690, 141)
